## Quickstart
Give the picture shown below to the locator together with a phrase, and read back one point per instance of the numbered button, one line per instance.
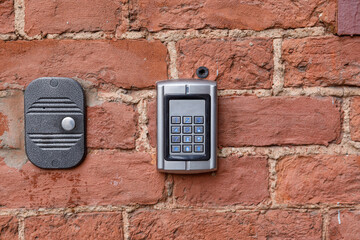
(187, 148)
(187, 130)
(187, 120)
(199, 148)
(199, 139)
(187, 139)
(199, 129)
(175, 148)
(176, 129)
(175, 120)
(175, 139)
(199, 120)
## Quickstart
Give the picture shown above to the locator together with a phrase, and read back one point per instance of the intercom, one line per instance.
(54, 123)
(186, 126)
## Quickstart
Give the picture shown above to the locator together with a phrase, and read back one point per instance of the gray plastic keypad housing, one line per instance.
(54, 123)
(186, 126)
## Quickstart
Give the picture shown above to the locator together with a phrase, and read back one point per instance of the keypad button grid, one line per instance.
(187, 134)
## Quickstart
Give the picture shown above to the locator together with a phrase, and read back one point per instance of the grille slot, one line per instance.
(55, 141)
(54, 106)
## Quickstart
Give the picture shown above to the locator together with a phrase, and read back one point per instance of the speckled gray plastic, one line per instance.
(47, 102)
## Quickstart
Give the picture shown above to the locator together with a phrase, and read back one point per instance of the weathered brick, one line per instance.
(234, 64)
(239, 180)
(111, 125)
(355, 119)
(348, 21)
(76, 226)
(321, 61)
(151, 113)
(344, 225)
(43, 17)
(252, 121)
(8, 228)
(123, 63)
(11, 119)
(105, 177)
(7, 16)
(318, 179)
(188, 224)
(174, 14)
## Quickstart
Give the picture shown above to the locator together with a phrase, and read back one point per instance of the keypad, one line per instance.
(187, 134)
(175, 119)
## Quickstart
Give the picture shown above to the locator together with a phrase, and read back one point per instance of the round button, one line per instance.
(68, 124)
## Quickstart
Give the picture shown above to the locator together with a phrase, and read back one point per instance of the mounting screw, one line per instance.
(202, 72)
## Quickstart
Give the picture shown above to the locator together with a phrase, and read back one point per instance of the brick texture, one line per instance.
(7, 16)
(187, 224)
(242, 64)
(11, 120)
(355, 119)
(105, 177)
(239, 180)
(111, 125)
(321, 61)
(184, 14)
(318, 179)
(71, 16)
(8, 228)
(252, 121)
(348, 17)
(75, 226)
(125, 63)
(151, 112)
(344, 224)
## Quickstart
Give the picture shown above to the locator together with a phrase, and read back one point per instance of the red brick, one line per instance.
(111, 125)
(355, 119)
(105, 177)
(318, 179)
(151, 112)
(174, 14)
(239, 180)
(252, 121)
(7, 16)
(71, 16)
(77, 226)
(11, 120)
(234, 64)
(348, 21)
(8, 228)
(188, 224)
(321, 61)
(123, 63)
(344, 224)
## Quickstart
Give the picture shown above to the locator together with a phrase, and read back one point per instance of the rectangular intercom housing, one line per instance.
(186, 126)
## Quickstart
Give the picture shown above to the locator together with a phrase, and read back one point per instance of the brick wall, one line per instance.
(289, 120)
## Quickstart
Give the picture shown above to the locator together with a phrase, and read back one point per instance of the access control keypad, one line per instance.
(187, 127)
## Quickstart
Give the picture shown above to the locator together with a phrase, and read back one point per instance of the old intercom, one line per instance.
(186, 126)
(54, 123)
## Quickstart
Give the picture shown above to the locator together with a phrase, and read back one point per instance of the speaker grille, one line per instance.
(55, 141)
(54, 106)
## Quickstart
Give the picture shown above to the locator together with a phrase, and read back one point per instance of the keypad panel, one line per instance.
(187, 128)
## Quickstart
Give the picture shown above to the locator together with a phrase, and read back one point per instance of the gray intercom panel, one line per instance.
(186, 126)
(54, 123)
